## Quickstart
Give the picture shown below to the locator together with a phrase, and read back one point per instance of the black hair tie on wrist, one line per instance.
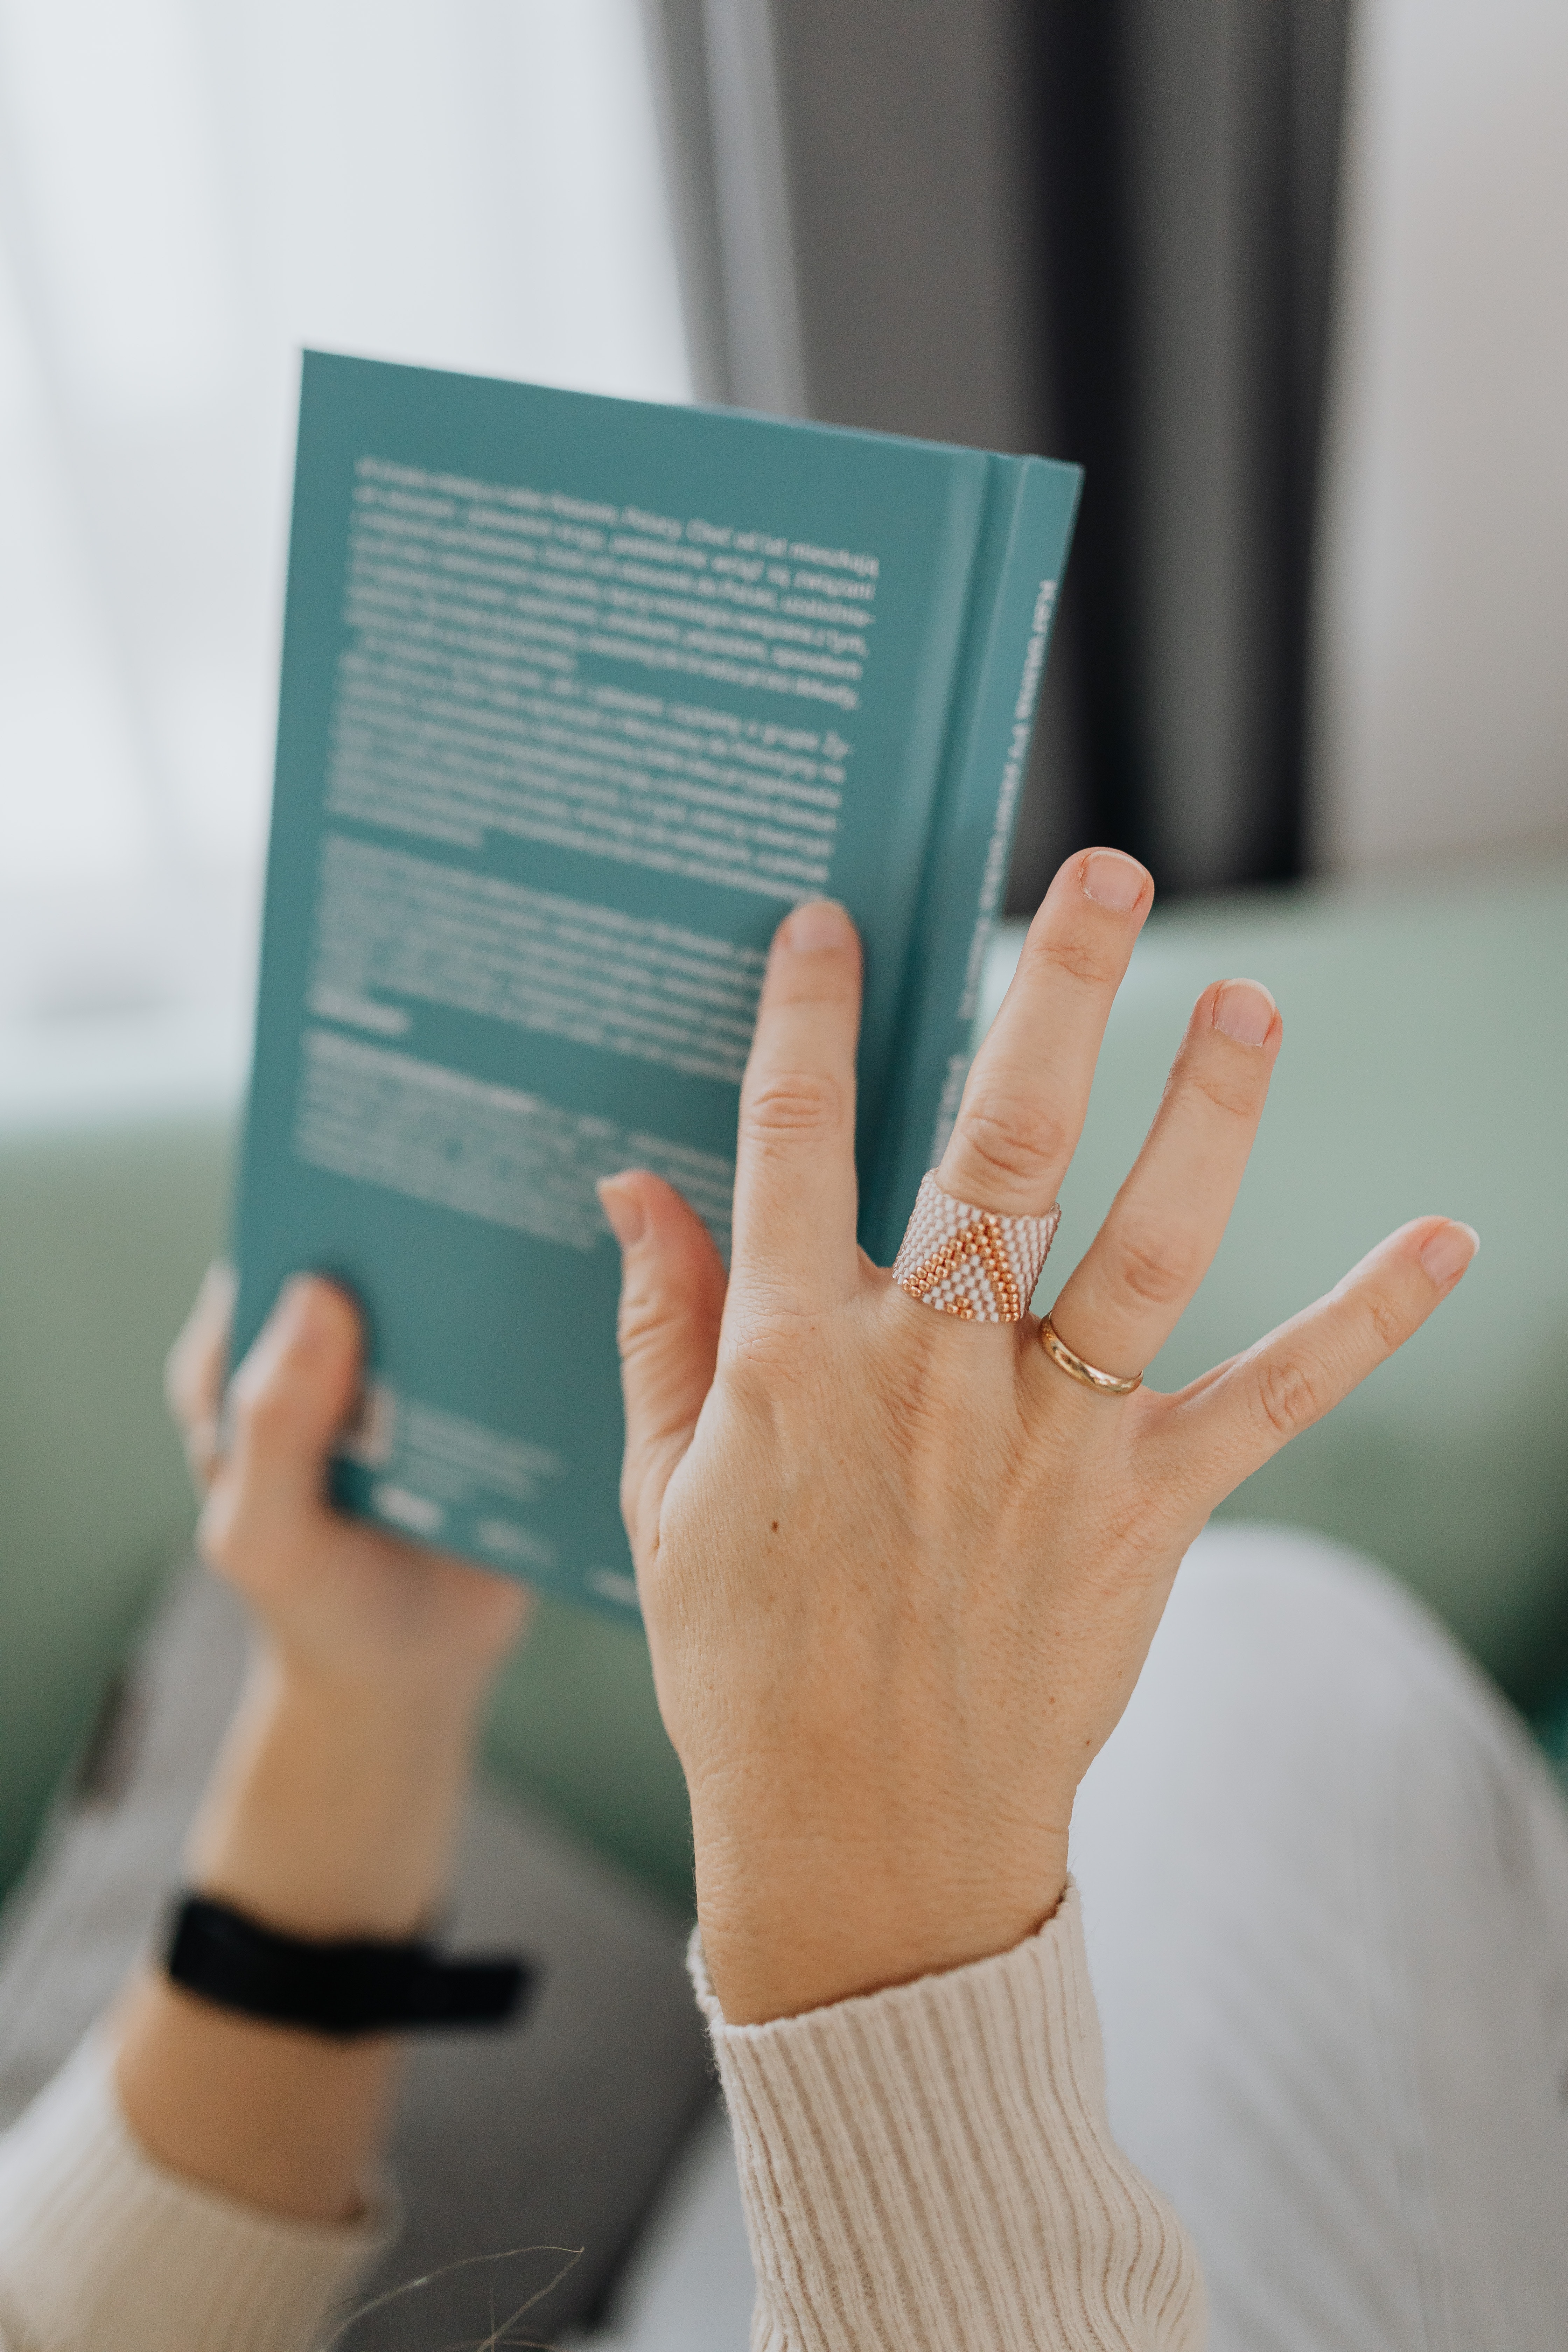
(342, 1986)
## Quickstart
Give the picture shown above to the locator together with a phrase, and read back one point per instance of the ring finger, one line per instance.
(1122, 1301)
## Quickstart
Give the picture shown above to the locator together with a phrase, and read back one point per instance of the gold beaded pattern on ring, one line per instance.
(969, 1262)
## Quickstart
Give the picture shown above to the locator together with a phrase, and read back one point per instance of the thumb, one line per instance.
(672, 1299)
(288, 1403)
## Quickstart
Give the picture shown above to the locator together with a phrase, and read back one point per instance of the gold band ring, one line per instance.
(1103, 1383)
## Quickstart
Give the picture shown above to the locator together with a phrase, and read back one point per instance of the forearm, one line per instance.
(100, 2245)
(330, 1813)
(332, 1807)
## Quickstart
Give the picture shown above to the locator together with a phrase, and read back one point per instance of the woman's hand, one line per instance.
(338, 1600)
(900, 1572)
(333, 1809)
(333, 1804)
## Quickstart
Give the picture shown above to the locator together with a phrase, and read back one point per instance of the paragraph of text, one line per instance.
(391, 924)
(487, 1151)
(464, 706)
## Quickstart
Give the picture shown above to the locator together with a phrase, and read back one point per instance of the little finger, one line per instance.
(1218, 1432)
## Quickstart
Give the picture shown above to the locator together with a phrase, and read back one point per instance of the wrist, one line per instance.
(333, 1807)
(445, 1684)
(808, 1924)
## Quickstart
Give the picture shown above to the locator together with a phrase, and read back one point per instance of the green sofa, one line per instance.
(1426, 1066)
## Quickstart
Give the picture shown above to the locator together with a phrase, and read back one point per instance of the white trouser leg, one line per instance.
(1325, 1882)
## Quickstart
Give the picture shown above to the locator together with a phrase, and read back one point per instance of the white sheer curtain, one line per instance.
(189, 190)
(1443, 723)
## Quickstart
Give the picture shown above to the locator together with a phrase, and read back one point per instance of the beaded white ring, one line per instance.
(969, 1262)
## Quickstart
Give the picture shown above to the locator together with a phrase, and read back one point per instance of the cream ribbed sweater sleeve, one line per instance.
(932, 2166)
(103, 2251)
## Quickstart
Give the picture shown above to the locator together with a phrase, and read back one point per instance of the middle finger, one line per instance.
(1023, 1108)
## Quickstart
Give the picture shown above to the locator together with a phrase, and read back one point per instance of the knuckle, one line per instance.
(1012, 1140)
(760, 1359)
(1153, 1270)
(790, 1105)
(1136, 1531)
(1287, 1398)
(1080, 960)
(1232, 1100)
(642, 1320)
(1388, 1325)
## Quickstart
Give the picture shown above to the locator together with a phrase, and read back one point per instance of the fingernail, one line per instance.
(820, 923)
(1244, 1010)
(296, 1315)
(1447, 1252)
(623, 1212)
(1113, 880)
(306, 1313)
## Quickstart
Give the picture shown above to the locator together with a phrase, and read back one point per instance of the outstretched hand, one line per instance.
(899, 1571)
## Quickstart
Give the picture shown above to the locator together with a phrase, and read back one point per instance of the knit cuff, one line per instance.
(100, 2245)
(933, 2164)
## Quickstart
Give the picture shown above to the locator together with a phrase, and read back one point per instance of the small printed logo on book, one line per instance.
(509, 1541)
(417, 1513)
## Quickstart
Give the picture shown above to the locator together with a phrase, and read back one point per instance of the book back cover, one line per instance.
(579, 696)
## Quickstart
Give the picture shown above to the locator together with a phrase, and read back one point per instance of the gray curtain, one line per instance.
(1099, 228)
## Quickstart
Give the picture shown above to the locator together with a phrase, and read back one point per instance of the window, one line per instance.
(189, 191)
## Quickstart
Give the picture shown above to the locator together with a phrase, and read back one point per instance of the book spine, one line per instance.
(1016, 580)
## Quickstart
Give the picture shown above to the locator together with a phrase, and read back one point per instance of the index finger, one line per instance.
(794, 1160)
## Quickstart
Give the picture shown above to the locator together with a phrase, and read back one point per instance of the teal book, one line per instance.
(579, 696)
